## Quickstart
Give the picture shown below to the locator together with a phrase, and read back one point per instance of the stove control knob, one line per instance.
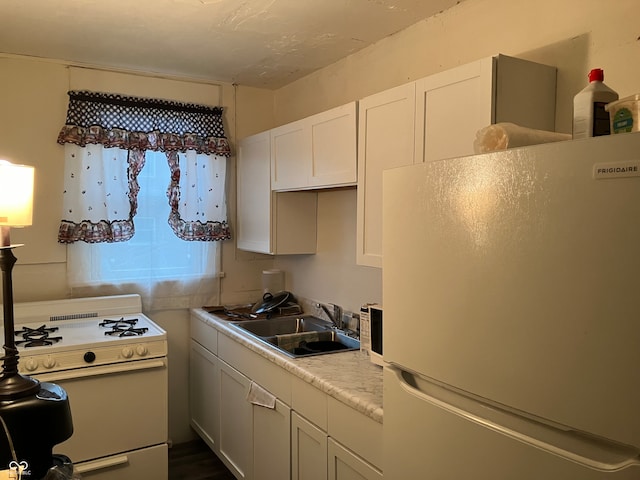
(48, 362)
(127, 352)
(31, 364)
(142, 350)
(89, 357)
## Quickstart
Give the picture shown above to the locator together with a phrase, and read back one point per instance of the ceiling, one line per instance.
(260, 43)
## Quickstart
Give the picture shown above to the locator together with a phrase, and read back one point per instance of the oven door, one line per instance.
(115, 408)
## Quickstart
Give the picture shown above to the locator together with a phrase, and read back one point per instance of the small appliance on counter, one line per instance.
(371, 332)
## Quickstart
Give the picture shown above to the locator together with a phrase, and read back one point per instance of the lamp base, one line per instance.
(35, 424)
(17, 386)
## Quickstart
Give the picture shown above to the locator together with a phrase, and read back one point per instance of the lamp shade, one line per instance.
(16, 194)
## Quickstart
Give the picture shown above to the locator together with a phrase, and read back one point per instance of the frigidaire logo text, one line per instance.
(627, 169)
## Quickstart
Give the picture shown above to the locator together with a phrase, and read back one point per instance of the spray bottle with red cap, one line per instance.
(590, 119)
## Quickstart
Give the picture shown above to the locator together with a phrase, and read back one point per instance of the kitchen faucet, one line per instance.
(335, 317)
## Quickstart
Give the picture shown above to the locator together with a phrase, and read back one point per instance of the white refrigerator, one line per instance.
(511, 295)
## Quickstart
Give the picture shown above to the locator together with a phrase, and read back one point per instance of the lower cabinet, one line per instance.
(316, 456)
(203, 399)
(271, 446)
(345, 465)
(308, 450)
(273, 442)
(236, 420)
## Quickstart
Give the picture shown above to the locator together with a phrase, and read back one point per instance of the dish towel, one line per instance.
(259, 396)
(501, 136)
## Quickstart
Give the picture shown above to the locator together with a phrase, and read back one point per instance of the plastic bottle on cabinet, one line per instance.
(590, 119)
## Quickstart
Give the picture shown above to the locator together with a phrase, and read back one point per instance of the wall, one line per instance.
(573, 35)
(33, 95)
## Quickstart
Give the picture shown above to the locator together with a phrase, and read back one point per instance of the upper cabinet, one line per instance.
(453, 105)
(277, 173)
(385, 140)
(290, 156)
(270, 222)
(437, 117)
(315, 152)
(430, 119)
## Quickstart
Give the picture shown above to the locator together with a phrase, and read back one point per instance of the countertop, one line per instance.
(346, 376)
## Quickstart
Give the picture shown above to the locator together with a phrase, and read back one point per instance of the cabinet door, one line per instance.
(254, 193)
(308, 450)
(451, 107)
(333, 147)
(236, 422)
(345, 465)
(271, 445)
(204, 394)
(290, 156)
(386, 124)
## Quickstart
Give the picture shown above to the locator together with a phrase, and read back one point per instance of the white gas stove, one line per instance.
(110, 358)
(85, 332)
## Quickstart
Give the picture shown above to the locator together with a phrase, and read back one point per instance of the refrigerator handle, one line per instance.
(593, 452)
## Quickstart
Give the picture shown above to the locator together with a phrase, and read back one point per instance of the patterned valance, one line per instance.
(134, 123)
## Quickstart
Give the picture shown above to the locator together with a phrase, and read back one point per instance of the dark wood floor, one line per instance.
(195, 461)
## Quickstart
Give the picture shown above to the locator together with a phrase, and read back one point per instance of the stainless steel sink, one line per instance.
(284, 325)
(299, 336)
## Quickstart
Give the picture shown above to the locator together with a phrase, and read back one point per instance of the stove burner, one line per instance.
(126, 331)
(36, 337)
(123, 328)
(120, 323)
(27, 332)
(38, 342)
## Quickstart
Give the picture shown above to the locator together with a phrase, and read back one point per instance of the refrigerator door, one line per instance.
(446, 435)
(514, 276)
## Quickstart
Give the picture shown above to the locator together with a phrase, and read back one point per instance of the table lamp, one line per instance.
(35, 416)
(16, 207)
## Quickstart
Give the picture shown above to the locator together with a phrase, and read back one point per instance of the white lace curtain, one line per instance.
(106, 136)
(108, 139)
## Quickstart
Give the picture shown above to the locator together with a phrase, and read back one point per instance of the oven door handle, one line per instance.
(85, 372)
(94, 465)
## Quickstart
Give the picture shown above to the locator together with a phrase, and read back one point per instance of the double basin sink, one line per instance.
(299, 336)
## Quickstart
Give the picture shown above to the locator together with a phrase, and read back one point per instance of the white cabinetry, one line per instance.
(329, 440)
(308, 435)
(270, 222)
(290, 156)
(344, 465)
(453, 105)
(271, 454)
(385, 140)
(203, 385)
(236, 422)
(308, 450)
(316, 152)
(263, 448)
(447, 110)
(251, 440)
(333, 147)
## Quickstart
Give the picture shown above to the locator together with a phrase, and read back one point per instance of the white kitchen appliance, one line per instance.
(371, 332)
(512, 321)
(112, 361)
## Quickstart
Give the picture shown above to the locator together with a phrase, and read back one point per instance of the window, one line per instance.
(144, 205)
(166, 271)
(154, 251)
